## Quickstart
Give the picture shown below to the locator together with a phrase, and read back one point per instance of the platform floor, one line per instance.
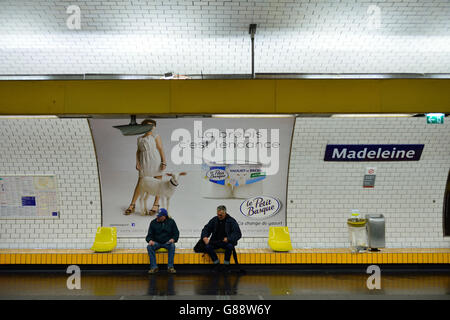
(207, 285)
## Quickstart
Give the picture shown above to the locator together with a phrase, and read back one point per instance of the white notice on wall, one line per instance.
(23, 197)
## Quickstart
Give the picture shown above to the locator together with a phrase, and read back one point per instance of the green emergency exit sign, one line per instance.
(435, 118)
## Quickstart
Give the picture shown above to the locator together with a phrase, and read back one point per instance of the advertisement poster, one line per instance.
(241, 163)
(23, 197)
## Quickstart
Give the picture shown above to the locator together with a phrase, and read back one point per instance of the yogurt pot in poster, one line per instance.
(232, 180)
(246, 179)
(214, 181)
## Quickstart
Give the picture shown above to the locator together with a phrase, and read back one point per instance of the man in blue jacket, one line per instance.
(225, 233)
(162, 233)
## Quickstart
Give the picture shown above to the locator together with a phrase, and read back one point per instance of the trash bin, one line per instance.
(357, 233)
(375, 227)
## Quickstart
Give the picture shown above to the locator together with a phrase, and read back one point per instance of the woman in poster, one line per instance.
(150, 161)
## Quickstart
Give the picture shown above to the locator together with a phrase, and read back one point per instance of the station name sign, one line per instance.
(373, 152)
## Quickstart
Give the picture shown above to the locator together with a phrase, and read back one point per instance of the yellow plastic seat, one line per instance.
(279, 239)
(105, 239)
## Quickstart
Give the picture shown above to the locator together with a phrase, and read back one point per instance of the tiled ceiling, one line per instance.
(211, 37)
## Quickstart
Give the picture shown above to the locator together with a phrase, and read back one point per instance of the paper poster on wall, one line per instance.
(24, 197)
(240, 163)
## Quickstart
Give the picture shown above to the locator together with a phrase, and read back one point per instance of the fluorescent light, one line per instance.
(168, 76)
(374, 115)
(171, 76)
(252, 116)
(29, 117)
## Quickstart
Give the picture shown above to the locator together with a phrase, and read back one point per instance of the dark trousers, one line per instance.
(210, 247)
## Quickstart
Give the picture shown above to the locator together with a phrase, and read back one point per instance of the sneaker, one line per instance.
(153, 270)
(171, 270)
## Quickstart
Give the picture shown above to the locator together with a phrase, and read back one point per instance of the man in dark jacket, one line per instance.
(162, 233)
(224, 232)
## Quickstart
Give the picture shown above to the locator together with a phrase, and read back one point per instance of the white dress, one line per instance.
(149, 157)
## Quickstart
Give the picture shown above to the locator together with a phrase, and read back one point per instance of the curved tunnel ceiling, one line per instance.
(211, 37)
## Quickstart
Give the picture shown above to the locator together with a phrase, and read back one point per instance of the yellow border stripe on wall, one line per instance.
(67, 97)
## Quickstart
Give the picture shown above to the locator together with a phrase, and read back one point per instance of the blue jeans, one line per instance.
(152, 253)
(220, 244)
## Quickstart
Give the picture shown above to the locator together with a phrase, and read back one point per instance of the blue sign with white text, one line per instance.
(28, 201)
(373, 152)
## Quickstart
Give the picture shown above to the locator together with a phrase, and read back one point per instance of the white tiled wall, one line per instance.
(61, 147)
(320, 197)
(322, 194)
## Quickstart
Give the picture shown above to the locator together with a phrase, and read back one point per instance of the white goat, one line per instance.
(162, 188)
